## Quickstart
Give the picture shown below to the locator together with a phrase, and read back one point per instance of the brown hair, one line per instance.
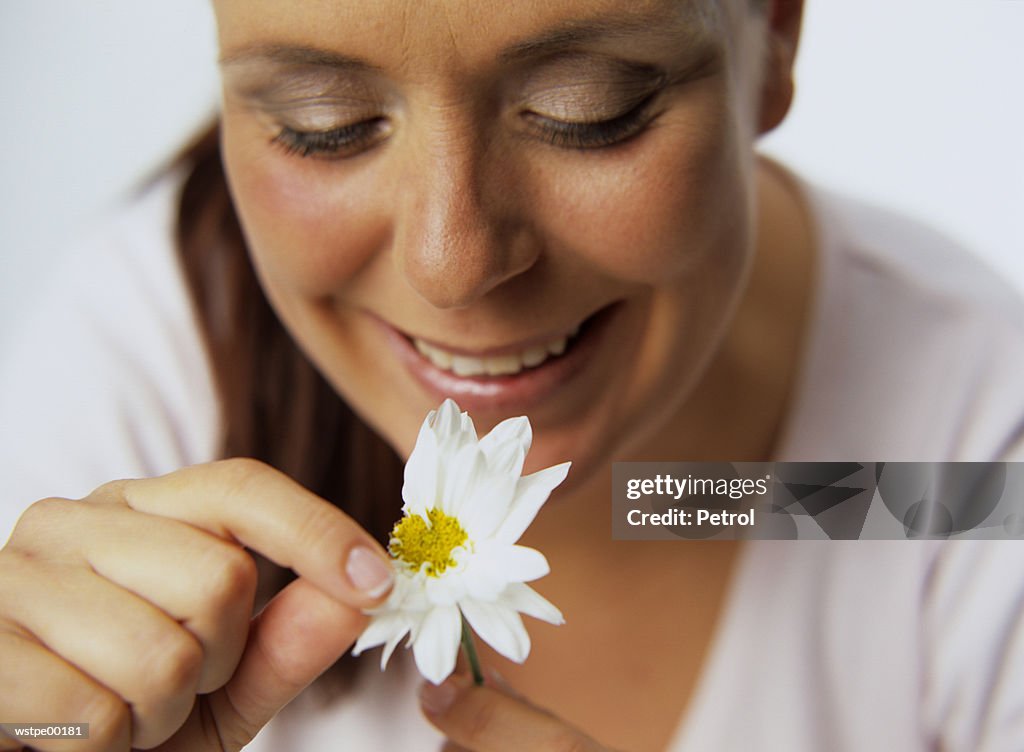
(275, 406)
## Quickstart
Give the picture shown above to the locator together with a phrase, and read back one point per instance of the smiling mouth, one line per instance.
(507, 379)
(506, 364)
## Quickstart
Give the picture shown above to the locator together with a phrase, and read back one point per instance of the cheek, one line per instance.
(662, 206)
(310, 224)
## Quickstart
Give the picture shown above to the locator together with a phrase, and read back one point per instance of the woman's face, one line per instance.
(538, 208)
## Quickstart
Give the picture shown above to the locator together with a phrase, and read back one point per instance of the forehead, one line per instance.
(409, 33)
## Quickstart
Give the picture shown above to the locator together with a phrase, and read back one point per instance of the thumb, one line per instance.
(299, 635)
(487, 719)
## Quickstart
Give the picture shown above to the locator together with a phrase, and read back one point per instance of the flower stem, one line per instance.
(469, 648)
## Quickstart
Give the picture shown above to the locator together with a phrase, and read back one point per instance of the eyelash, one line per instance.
(346, 141)
(597, 134)
(350, 140)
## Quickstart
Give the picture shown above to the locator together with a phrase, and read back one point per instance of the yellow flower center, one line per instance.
(416, 543)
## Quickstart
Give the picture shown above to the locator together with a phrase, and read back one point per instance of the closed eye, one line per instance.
(594, 134)
(334, 143)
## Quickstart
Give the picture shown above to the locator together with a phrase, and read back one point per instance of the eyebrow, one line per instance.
(295, 55)
(562, 38)
(580, 33)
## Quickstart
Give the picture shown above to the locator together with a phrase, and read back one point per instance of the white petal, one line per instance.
(488, 506)
(531, 493)
(437, 643)
(484, 578)
(417, 626)
(446, 422)
(453, 429)
(518, 563)
(445, 590)
(507, 444)
(381, 629)
(389, 648)
(392, 643)
(462, 476)
(500, 627)
(525, 599)
(406, 596)
(466, 428)
(419, 491)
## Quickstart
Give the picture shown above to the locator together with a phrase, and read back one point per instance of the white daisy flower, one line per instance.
(455, 553)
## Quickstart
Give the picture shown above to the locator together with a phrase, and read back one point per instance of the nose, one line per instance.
(459, 231)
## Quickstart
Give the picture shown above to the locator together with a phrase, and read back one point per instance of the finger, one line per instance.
(121, 641)
(203, 582)
(299, 635)
(8, 742)
(484, 719)
(70, 697)
(249, 502)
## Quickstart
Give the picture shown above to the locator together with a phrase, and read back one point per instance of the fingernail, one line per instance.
(437, 698)
(369, 572)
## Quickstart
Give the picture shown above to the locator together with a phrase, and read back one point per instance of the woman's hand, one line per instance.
(120, 609)
(494, 718)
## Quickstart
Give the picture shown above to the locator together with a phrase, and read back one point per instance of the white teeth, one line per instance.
(503, 365)
(557, 347)
(465, 365)
(439, 358)
(497, 365)
(535, 356)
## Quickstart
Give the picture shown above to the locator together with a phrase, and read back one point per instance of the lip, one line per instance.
(515, 393)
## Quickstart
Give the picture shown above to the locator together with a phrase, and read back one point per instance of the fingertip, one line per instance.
(437, 699)
(493, 679)
(489, 718)
(369, 572)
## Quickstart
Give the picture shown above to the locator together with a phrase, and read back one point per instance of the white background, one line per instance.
(918, 104)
